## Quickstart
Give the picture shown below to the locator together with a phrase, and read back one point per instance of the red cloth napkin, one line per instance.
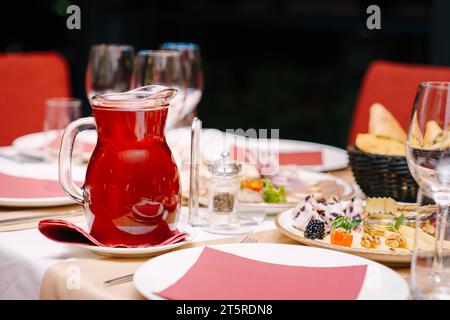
(69, 233)
(218, 275)
(19, 187)
(305, 158)
(301, 158)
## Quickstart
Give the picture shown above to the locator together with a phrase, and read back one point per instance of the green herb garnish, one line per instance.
(344, 222)
(355, 222)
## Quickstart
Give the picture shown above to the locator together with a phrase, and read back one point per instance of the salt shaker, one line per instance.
(223, 190)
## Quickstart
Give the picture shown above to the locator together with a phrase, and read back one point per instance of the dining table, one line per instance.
(33, 267)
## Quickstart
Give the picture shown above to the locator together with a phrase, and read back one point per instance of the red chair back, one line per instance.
(26, 81)
(394, 85)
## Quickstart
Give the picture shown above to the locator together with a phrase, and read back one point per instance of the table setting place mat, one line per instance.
(84, 278)
(218, 275)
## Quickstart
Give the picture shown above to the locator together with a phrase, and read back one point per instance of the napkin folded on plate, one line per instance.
(69, 233)
(305, 158)
(217, 275)
(301, 158)
(20, 187)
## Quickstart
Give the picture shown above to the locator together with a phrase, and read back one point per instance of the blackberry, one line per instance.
(315, 229)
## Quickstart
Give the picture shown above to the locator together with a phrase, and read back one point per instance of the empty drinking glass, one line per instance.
(162, 67)
(428, 155)
(428, 279)
(59, 112)
(110, 69)
(194, 77)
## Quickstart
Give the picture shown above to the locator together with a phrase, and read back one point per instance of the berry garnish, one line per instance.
(315, 229)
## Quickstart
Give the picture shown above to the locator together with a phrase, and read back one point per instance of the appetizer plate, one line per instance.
(33, 144)
(275, 208)
(380, 282)
(284, 223)
(267, 208)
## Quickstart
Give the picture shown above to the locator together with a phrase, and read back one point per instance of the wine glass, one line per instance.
(162, 67)
(59, 112)
(110, 69)
(194, 76)
(428, 156)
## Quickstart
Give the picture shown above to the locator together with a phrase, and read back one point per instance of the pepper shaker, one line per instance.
(223, 190)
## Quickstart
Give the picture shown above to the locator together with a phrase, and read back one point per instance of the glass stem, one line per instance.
(441, 226)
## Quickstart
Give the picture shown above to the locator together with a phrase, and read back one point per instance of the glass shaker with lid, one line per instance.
(223, 190)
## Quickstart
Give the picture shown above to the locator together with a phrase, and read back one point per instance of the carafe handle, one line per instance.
(65, 156)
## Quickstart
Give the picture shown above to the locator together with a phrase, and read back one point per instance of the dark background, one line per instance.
(288, 64)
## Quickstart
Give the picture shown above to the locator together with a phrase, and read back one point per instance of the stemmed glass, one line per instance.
(110, 69)
(428, 155)
(59, 112)
(194, 76)
(162, 67)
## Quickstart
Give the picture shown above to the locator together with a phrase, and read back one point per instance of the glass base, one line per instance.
(431, 294)
(430, 287)
(237, 225)
(229, 230)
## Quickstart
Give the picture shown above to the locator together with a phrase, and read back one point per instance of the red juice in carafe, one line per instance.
(132, 188)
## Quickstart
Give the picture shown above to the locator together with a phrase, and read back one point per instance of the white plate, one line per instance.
(32, 145)
(37, 170)
(161, 272)
(275, 208)
(214, 142)
(134, 252)
(37, 202)
(333, 158)
(139, 252)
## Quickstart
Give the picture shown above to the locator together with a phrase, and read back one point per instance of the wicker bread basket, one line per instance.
(382, 176)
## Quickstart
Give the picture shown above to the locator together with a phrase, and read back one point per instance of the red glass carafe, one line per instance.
(131, 193)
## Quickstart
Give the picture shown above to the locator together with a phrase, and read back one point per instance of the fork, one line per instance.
(129, 277)
(119, 280)
(249, 239)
